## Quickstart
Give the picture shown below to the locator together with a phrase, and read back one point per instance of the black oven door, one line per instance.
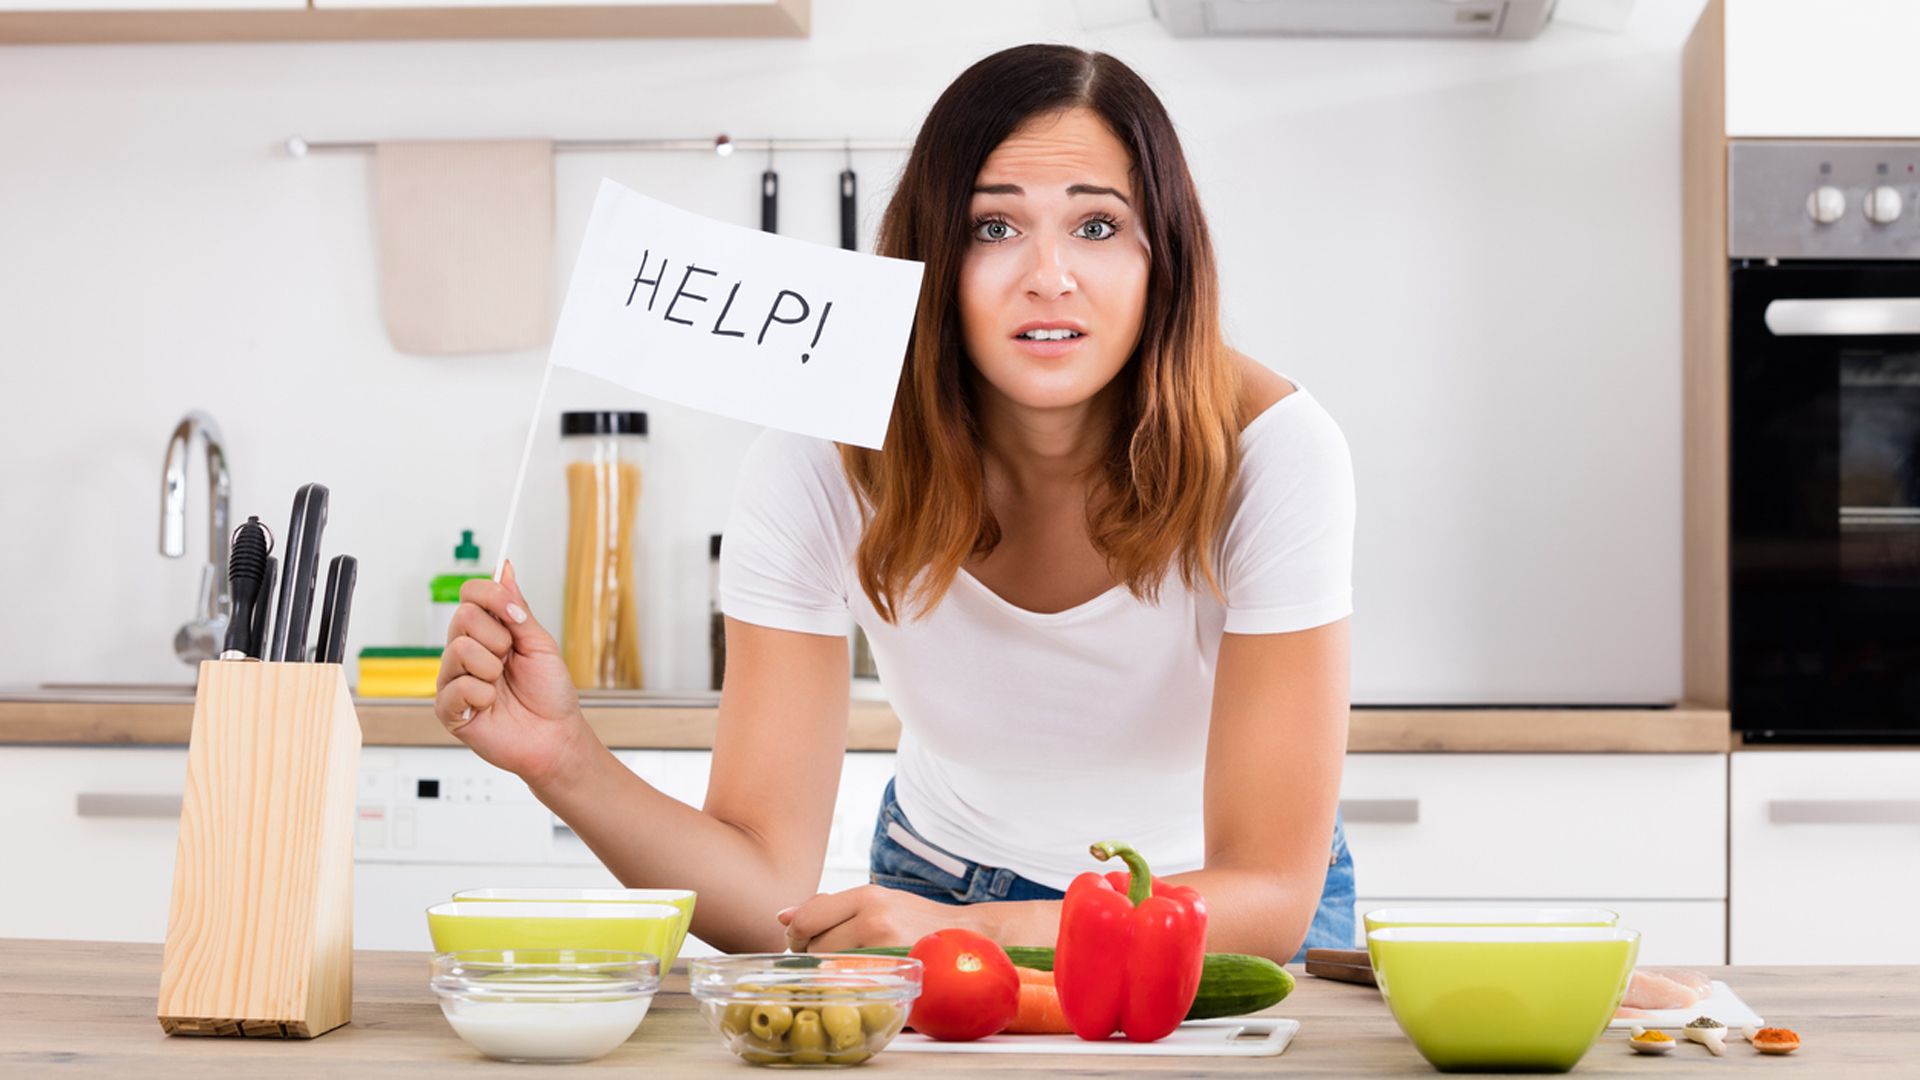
(1825, 462)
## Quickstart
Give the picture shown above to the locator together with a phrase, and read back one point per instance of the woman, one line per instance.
(1103, 561)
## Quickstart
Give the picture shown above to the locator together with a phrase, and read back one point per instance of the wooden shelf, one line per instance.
(741, 18)
(872, 726)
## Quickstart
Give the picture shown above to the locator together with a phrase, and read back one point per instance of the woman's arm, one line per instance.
(1274, 753)
(758, 845)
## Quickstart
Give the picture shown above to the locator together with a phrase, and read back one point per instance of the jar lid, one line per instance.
(594, 422)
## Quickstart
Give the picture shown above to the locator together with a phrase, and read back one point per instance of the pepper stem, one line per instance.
(1140, 881)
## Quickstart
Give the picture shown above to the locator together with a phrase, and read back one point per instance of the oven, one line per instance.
(1824, 357)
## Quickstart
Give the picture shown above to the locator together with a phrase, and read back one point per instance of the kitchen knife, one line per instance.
(1341, 965)
(849, 216)
(301, 562)
(336, 607)
(246, 567)
(769, 200)
(262, 612)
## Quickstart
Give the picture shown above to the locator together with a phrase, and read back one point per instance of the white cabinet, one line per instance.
(1639, 833)
(1821, 70)
(87, 837)
(1826, 857)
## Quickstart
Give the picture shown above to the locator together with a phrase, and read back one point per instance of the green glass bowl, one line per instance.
(1503, 998)
(682, 899)
(1486, 915)
(464, 925)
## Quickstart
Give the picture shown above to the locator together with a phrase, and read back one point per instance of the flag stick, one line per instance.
(520, 477)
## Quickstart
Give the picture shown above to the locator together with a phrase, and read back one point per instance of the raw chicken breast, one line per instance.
(1664, 988)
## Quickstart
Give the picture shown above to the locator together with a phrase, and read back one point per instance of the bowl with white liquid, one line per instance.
(547, 1005)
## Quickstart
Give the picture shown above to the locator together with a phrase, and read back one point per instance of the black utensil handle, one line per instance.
(770, 201)
(256, 645)
(335, 608)
(302, 569)
(849, 212)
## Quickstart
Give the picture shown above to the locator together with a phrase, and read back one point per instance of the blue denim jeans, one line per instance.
(903, 859)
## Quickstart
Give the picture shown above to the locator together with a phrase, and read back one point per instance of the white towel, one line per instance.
(466, 244)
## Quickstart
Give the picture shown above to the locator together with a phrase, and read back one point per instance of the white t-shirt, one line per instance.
(1027, 737)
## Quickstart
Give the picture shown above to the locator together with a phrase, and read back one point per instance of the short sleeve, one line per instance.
(1287, 553)
(783, 551)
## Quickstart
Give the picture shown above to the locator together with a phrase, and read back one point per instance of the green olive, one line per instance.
(770, 1021)
(879, 1018)
(851, 1057)
(809, 1039)
(737, 1019)
(761, 1057)
(843, 1026)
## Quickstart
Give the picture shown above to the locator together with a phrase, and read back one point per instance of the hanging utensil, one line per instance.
(770, 197)
(849, 216)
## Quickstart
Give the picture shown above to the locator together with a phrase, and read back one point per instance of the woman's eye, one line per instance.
(1097, 229)
(992, 231)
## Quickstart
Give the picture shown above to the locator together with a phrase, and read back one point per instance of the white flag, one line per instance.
(735, 321)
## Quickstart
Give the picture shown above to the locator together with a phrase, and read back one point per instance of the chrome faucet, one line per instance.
(202, 637)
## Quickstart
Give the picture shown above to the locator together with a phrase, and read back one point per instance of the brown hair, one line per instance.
(1161, 490)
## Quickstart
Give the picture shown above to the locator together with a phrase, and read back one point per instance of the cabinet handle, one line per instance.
(1380, 811)
(1844, 811)
(120, 805)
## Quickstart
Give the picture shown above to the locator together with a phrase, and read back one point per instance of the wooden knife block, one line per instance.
(260, 932)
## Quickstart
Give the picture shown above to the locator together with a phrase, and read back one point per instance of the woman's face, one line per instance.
(1055, 248)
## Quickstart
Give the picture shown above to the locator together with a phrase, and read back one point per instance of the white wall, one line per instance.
(1469, 251)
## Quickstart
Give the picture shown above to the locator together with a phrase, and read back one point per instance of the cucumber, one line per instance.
(1231, 984)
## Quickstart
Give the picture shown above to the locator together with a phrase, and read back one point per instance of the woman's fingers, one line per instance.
(465, 656)
(476, 622)
(504, 601)
(460, 699)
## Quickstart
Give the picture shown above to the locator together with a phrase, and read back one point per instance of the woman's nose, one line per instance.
(1048, 274)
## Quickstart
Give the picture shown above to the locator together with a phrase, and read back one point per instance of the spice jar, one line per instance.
(600, 620)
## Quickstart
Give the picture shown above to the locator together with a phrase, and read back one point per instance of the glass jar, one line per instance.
(600, 620)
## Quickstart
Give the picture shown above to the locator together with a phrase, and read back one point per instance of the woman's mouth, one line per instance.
(1049, 341)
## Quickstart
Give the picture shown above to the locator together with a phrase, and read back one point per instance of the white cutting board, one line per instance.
(1722, 1004)
(1250, 1036)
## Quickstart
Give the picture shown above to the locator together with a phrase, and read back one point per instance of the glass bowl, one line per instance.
(785, 1009)
(545, 1004)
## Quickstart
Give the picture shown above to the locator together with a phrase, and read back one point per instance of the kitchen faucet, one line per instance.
(202, 637)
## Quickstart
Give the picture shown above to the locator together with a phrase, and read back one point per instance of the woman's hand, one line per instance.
(865, 917)
(504, 688)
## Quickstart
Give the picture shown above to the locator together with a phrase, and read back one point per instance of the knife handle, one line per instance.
(336, 607)
(256, 646)
(769, 201)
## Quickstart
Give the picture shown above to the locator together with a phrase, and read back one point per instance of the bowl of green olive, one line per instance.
(797, 1009)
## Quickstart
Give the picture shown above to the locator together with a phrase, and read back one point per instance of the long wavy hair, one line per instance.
(1160, 491)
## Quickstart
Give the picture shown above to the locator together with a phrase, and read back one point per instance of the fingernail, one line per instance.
(783, 913)
(466, 714)
(517, 612)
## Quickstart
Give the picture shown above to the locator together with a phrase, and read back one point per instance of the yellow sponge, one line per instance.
(404, 672)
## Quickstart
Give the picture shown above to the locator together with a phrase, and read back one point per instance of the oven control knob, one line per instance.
(1827, 205)
(1882, 205)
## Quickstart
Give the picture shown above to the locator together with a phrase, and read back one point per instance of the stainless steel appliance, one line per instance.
(1824, 351)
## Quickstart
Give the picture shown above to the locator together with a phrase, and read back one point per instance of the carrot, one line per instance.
(1039, 1006)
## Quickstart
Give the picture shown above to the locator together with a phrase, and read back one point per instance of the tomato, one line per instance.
(970, 989)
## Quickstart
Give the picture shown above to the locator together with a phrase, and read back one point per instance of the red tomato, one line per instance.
(971, 990)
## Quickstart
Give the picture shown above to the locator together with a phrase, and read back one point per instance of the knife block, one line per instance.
(260, 931)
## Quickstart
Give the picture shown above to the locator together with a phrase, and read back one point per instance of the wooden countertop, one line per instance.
(688, 723)
(86, 1009)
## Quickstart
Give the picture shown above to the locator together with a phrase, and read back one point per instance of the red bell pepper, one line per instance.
(1130, 951)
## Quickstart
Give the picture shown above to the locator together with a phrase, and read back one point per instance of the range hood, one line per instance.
(1510, 19)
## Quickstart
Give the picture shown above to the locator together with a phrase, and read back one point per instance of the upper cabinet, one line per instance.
(54, 21)
(1832, 69)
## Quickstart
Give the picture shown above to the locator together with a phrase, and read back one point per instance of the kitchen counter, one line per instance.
(686, 722)
(86, 1009)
